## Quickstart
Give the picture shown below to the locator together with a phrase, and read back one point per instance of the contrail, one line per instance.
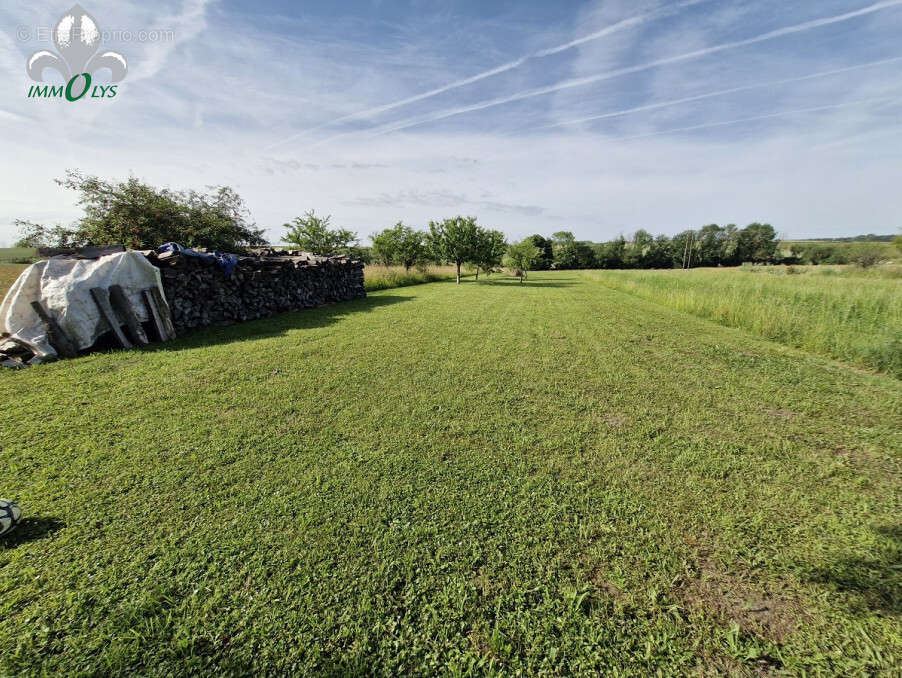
(722, 92)
(504, 68)
(778, 114)
(607, 75)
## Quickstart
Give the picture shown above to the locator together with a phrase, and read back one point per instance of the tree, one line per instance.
(521, 257)
(546, 252)
(490, 249)
(140, 216)
(757, 242)
(312, 234)
(564, 247)
(453, 240)
(898, 241)
(400, 245)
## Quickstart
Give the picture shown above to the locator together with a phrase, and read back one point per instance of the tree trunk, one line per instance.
(458, 273)
(477, 272)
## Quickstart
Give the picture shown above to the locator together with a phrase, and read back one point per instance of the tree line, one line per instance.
(142, 217)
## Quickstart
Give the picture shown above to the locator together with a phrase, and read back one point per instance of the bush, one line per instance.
(867, 255)
(140, 216)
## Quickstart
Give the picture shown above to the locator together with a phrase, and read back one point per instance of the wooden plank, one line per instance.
(165, 315)
(55, 334)
(124, 309)
(155, 316)
(102, 299)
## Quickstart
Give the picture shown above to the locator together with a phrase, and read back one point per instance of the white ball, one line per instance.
(10, 514)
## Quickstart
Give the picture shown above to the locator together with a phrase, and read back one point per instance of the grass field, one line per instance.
(845, 313)
(553, 478)
(389, 277)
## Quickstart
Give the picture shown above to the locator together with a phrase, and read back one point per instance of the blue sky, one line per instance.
(596, 117)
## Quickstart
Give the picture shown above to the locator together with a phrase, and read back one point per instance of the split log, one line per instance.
(102, 299)
(124, 308)
(55, 334)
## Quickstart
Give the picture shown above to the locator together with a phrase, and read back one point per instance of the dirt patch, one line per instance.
(769, 614)
(781, 413)
(614, 420)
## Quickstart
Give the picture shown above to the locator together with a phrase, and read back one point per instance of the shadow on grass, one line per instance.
(875, 582)
(503, 282)
(282, 323)
(30, 529)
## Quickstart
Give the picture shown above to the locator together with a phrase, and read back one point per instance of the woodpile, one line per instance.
(201, 293)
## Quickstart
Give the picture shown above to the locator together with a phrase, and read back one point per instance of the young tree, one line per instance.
(521, 257)
(454, 240)
(490, 249)
(400, 245)
(140, 216)
(312, 234)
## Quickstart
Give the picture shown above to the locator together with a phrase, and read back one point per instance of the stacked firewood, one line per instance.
(200, 292)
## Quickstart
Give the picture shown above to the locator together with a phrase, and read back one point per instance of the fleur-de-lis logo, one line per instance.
(77, 38)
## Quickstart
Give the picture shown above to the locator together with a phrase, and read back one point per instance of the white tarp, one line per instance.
(64, 285)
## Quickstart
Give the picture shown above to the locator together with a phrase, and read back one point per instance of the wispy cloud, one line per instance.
(621, 25)
(766, 116)
(722, 92)
(607, 75)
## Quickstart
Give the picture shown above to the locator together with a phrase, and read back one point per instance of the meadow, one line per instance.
(554, 478)
(387, 277)
(843, 312)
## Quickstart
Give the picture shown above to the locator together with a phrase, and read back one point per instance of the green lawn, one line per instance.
(551, 478)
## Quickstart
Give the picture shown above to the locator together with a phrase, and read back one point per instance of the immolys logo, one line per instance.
(77, 39)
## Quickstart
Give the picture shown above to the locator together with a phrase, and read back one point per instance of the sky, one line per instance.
(597, 117)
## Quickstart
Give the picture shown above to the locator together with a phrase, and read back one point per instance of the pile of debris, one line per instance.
(199, 288)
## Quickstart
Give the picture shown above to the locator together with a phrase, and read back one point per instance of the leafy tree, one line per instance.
(565, 251)
(546, 252)
(140, 216)
(400, 245)
(758, 243)
(454, 240)
(37, 235)
(612, 254)
(521, 257)
(312, 234)
(490, 249)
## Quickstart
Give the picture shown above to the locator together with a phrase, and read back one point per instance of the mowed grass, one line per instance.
(553, 478)
(841, 312)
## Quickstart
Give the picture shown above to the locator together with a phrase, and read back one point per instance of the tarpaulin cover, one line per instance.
(227, 262)
(64, 285)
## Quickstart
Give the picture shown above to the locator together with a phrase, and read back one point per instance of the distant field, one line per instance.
(17, 255)
(8, 275)
(845, 313)
(889, 249)
(554, 478)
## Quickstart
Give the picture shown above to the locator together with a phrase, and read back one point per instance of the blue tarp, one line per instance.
(227, 262)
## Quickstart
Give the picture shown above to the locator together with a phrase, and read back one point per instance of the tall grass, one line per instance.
(851, 317)
(386, 277)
